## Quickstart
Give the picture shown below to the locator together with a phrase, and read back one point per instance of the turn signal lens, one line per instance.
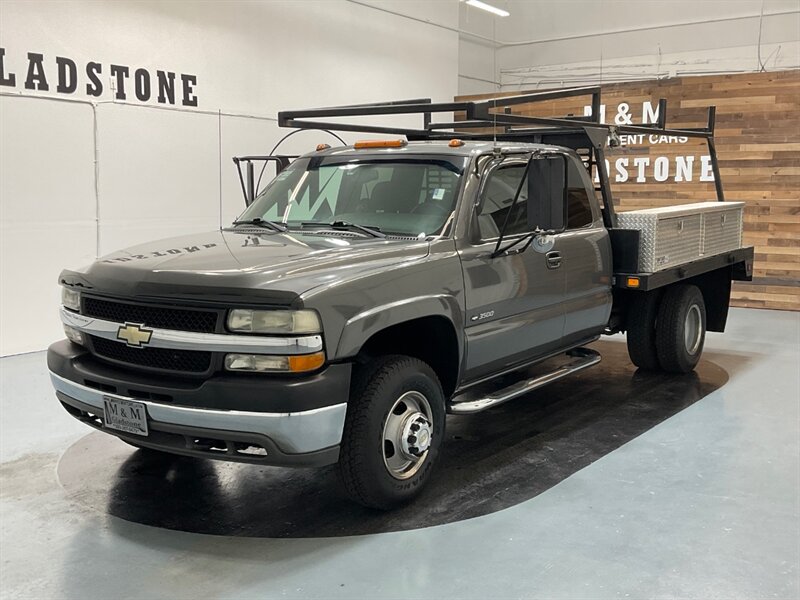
(306, 362)
(632, 282)
(380, 144)
(455, 143)
(262, 363)
(321, 147)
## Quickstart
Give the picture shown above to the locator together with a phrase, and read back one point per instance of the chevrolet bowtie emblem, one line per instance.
(134, 335)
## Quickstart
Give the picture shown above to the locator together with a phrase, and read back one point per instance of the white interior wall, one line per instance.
(477, 52)
(551, 43)
(80, 179)
(159, 172)
(47, 213)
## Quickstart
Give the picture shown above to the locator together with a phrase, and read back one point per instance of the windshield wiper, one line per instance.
(348, 226)
(259, 222)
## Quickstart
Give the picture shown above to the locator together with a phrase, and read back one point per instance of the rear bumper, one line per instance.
(300, 437)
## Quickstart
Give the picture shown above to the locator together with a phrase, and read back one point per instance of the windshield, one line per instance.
(413, 196)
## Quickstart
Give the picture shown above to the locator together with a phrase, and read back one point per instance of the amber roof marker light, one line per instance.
(379, 144)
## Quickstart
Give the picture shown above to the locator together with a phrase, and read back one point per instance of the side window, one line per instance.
(579, 210)
(498, 195)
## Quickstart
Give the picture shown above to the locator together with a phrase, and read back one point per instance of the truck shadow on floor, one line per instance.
(491, 461)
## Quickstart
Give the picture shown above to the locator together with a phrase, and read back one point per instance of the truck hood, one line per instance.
(243, 265)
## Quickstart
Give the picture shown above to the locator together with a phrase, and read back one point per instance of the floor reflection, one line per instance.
(491, 461)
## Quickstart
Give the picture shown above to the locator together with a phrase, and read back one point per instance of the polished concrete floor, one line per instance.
(490, 461)
(699, 498)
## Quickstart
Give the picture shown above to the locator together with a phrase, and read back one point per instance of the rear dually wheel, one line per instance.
(641, 328)
(680, 328)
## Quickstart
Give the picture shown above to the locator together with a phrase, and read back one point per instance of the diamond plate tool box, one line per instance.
(673, 235)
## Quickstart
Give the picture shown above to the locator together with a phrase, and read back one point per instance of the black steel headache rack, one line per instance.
(584, 134)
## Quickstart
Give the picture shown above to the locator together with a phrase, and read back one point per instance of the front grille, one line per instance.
(166, 359)
(182, 319)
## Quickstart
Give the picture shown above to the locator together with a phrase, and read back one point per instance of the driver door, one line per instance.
(514, 303)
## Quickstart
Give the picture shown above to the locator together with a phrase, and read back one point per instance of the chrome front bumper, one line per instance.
(293, 433)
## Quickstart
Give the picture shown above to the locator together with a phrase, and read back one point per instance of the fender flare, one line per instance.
(362, 326)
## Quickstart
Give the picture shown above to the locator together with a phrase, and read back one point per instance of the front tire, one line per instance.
(681, 328)
(393, 431)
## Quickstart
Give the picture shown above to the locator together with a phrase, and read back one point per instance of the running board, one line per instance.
(581, 358)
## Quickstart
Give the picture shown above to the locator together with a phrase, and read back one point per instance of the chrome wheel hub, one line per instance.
(416, 435)
(692, 329)
(407, 435)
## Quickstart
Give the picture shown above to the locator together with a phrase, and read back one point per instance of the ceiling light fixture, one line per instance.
(488, 8)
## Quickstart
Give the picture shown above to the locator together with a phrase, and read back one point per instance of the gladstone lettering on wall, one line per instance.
(63, 75)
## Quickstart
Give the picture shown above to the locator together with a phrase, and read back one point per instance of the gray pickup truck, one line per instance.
(369, 290)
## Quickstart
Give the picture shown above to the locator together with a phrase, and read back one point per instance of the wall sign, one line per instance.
(92, 79)
(676, 168)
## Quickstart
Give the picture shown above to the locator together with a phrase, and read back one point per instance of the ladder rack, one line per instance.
(584, 134)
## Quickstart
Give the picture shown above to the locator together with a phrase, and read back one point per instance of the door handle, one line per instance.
(553, 260)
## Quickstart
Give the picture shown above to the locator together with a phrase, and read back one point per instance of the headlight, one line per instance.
(274, 321)
(262, 363)
(71, 299)
(73, 335)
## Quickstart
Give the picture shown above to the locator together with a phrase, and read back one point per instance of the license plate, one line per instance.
(125, 415)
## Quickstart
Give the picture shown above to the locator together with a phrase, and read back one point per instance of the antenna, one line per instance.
(496, 82)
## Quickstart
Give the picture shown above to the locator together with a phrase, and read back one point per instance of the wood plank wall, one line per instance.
(758, 145)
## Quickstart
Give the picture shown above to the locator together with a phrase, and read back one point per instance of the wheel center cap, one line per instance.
(423, 439)
(416, 436)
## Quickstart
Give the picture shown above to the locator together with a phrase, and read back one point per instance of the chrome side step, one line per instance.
(581, 358)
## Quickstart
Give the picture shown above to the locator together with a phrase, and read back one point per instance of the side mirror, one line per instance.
(248, 179)
(547, 193)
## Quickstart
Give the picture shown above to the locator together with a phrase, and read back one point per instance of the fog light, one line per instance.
(262, 363)
(73, 335)
(256, 362)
